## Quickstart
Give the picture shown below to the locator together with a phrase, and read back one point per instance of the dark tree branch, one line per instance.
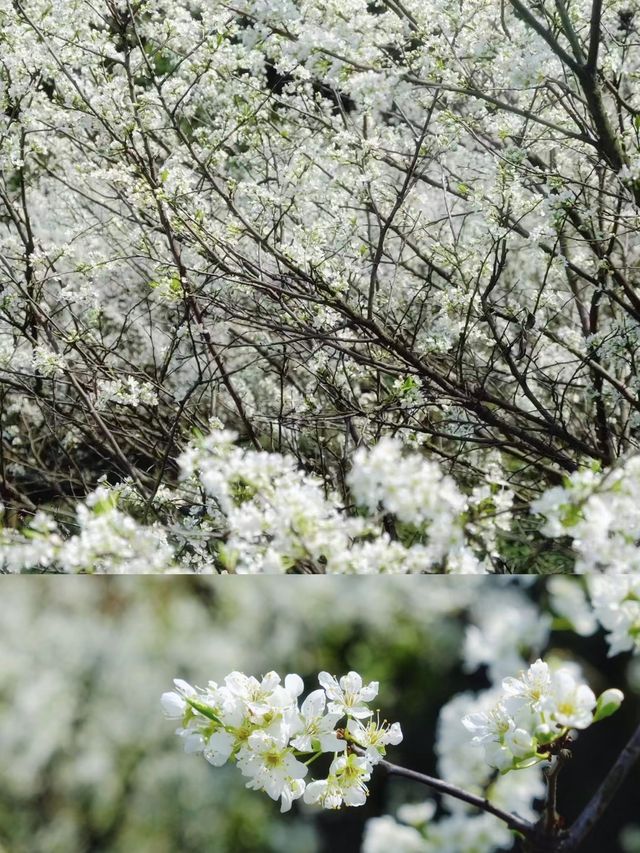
(603, 796)
(569, 32)
(512, 821)
(546, 34)
(594, 35)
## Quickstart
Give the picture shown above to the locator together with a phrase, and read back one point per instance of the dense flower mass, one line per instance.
(256, 512)
(260, 725)
(600, 511)
(390, 245)
(245, 511)
(616, 605)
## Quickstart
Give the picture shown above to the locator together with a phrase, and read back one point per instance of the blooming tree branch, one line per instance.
(259, 726)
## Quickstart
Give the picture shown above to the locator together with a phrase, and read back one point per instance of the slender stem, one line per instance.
(443, 787)
(570, 33)
(603, 796)
(552, 772)
(550, 811)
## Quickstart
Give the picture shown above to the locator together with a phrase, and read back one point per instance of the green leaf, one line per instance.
(571, 515)
(203, 709)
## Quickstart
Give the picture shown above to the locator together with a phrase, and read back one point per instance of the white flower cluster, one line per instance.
(411, 488)
(264, 514)
(616, 606)
(535, 714)
(47, 362)
(39, 359)
(278, 517)
(601, 513)
(69, 645)
(127, 392)
(107, 541)
(519, 722)
(261, 726)
(499, 639)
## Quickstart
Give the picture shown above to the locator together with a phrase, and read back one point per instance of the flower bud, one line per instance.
(608, 703)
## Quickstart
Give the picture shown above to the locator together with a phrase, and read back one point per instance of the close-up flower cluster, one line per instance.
(535, 714)
(260, 726)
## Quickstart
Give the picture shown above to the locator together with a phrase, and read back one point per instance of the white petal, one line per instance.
(314, 704)
(294, 684)
(315, 790)
(173, 705)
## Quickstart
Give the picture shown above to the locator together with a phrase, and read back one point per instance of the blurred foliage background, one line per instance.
(89, 764)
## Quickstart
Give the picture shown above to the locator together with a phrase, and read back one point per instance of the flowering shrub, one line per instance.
(245, 511)
(251, 511)
(600, 511)
(344, 230)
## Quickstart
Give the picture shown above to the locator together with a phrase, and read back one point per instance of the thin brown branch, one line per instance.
(512, 821)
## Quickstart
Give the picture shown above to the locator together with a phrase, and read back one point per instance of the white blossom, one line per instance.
(259, 725)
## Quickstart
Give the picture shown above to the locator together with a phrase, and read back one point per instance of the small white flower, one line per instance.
(262, 697)
(271, 766)
(317, 726)
(349, 695)
(351, 772)
(373, 737)
(344, 785)
(173, 705)
(173, 702)
(573, 703)
(533, 686)
(324, 792)
(219, 747)
(488, 726)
